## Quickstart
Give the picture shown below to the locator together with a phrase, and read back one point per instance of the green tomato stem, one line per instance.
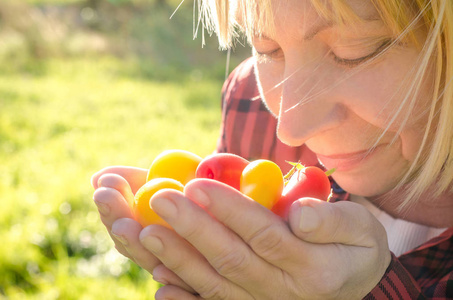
(330, 172)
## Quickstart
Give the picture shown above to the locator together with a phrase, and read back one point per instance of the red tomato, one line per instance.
(223, 167)
(306, 182)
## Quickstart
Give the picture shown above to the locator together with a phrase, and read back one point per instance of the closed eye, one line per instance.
(267, 56)
(357, 61)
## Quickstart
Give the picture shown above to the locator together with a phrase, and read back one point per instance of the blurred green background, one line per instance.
(86, 84)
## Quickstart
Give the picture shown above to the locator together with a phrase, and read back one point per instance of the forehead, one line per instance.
(267, 14)
(365, 9)
(335, 11)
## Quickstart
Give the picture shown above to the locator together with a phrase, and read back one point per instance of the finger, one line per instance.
(170, 292)
(358, 237)
(225, 251)
(343, 222)
(111, 205)
(127, 231)
(166, 276)
(135, 176)
(117, 182)
(177, 254)
(266, 233)
(120, 247)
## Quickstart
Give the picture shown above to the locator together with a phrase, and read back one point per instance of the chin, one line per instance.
(366, 187)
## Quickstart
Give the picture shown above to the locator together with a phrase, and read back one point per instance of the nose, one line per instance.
(308, 105)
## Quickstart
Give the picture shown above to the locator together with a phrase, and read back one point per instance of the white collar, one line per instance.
(402, 235)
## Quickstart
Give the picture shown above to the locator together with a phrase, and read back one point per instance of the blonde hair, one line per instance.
(434, 162)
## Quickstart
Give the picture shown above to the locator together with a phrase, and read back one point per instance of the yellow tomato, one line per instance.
(141, 207)
(180, 165)
(262, 180)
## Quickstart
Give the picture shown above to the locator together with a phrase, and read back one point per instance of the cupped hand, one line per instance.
(225, 246)
(114, 189)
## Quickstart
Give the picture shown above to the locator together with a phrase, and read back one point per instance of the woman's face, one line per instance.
(333, 90)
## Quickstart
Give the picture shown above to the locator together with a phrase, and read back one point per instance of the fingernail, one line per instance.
(164, 207)
(103, 208)
(309, 219)
(201, 197)
(99, 182)
(160, 280)
(153, 244)
(120, 238)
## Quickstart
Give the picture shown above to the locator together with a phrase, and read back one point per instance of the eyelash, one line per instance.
(265, 57)
(357, 61)
(350, 63)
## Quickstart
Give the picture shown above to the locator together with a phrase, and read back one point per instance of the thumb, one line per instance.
(343, 222)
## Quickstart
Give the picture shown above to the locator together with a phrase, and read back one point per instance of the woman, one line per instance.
(365, 85)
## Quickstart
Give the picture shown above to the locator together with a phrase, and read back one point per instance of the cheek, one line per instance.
(384, 93)
(269, 77)
(373, 96)
(383, 98)
(418, 118)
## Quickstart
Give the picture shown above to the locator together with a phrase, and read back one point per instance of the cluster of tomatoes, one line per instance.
(261, 180)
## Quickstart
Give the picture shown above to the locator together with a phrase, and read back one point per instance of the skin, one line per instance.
(341, 110)
(225, 246)
(246, 252)
(337, 117)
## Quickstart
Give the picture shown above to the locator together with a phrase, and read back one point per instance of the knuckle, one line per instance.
(338, 222)
(214, 290)
(346, 221)
(190, 230)
(231, 262)
(327, 284)
(329, 290)
(267, 242)
(176, 265)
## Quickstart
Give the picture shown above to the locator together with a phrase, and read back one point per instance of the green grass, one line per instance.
(62, 120)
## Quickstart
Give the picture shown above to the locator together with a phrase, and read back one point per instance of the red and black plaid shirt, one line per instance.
(248, 130)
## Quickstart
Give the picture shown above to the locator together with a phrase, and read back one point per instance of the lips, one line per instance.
(347, 161)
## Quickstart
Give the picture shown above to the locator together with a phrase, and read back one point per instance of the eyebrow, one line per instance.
(312, 32)
(324, 25)
(321, 26)
(308, 36)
